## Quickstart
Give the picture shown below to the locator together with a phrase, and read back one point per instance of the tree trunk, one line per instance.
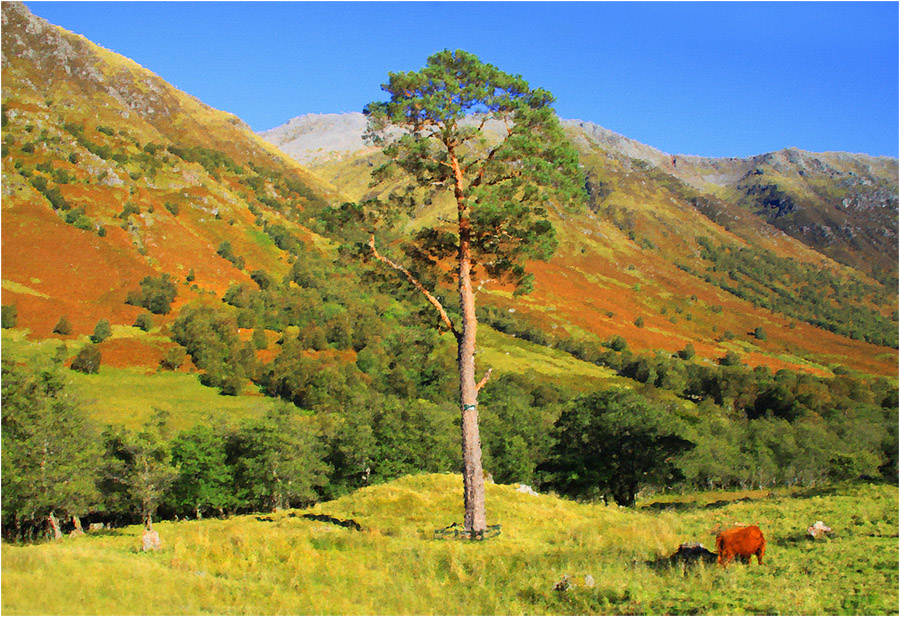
(54, 526)
(473, 476)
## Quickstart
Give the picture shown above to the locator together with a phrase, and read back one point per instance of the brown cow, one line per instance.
(740, 542)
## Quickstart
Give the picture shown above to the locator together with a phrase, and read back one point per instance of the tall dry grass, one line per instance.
(293, 565)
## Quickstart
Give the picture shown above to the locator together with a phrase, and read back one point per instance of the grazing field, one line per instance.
(283, 563)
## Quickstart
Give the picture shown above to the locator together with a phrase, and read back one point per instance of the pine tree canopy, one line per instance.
(462, 126)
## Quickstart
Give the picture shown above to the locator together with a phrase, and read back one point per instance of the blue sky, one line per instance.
(707, 78)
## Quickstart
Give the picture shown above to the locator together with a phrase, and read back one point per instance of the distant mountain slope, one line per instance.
(843, 205)
(670, 246)
(319, 137)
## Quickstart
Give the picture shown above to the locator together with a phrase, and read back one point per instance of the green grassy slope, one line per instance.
(292, 565)
(640, 251)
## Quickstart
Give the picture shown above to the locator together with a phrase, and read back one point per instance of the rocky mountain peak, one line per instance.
(314, 138)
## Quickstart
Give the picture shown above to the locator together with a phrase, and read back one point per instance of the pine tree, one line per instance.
(466, 129)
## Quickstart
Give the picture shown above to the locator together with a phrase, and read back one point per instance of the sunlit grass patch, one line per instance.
(127, 397)
(509, 354)
(283, 563)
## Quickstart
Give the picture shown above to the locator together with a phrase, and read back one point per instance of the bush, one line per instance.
(144, 322)
(225, 252)
(9, 316)
(156, 294)
(173, 359)
(616, 343)
(730, 359)
(128, 210)
(760, 333)
(87, 361)
(63, 326)
(687, 353)
(102, 331)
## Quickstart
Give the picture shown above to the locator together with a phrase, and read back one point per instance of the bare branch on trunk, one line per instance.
(484, 380)
(434, 301)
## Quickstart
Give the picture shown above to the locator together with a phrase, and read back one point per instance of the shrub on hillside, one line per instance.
(63, 326)
(225, 252)
(88, 360)
(616, 343)
(173, 359)
(102, 331)
(9, 316)
(156, 294)
(687, 353)
(144, 322)
(730, 359)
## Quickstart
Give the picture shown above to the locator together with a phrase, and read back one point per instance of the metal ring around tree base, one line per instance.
(459, 532)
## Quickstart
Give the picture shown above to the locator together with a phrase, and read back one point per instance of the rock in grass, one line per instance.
(150, 540)
(819, 530)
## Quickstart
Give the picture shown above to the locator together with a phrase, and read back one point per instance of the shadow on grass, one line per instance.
(687, 557)
(678, 506)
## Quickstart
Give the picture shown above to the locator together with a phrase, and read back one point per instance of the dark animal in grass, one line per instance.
(740, 542)
(690, 553)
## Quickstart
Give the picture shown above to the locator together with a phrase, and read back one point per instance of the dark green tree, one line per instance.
(9, 316)
(102, 331)
(278, 460)
(204, 481)
(144, 322)
(50, 451)
(612, 442)
(463, 128)
(517, 423)
(88, 360)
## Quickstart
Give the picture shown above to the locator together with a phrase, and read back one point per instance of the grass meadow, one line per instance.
(282, 563)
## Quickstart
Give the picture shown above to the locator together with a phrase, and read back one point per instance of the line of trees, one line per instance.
(59, 468)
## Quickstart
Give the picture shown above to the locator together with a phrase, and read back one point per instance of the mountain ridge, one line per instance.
(291, 134)
(828, 200)
(187, 191)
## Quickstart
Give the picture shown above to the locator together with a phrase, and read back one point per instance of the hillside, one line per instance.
(285, 563)
(111, 175)
(669, 245)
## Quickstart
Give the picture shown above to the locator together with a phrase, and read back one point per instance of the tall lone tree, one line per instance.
(464, 128)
